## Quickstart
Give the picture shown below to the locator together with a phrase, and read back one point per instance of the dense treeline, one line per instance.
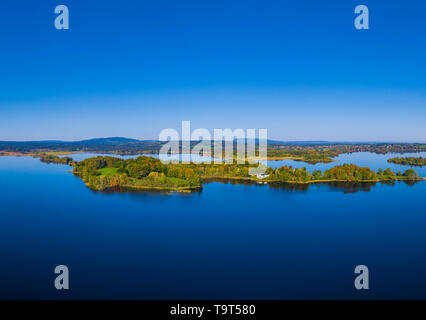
(411, 161)
(56, 159)
(146, 172)
(346, 172)
(143, 172)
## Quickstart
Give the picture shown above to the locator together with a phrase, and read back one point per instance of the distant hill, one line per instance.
(102, 145)
(120, 145)
(106, 141)
(299, 143)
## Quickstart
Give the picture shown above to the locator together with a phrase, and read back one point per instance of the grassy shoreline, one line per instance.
(64, 153)
(38, 154)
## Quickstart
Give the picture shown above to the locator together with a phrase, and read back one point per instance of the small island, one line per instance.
(106, 172)
(50, 158)
(304, 155)
(409, 161)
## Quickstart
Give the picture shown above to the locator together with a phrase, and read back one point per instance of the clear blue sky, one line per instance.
(131, 68)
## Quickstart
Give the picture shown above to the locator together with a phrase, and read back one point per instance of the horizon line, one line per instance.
(269, 140)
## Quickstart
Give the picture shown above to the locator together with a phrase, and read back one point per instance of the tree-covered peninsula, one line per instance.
(100, 173)
(410, 161)
(105, 172)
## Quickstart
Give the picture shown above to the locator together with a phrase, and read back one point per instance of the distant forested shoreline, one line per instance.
(309, 152)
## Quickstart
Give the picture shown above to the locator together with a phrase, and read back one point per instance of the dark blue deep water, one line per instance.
(228, 241)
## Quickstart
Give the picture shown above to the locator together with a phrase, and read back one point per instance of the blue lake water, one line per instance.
(227, 241)
(362, 159)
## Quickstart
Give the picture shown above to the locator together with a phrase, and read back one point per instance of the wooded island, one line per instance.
(106, 172)
(410, 161)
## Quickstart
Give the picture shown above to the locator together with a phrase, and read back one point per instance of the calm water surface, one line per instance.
(362, 159)
(227, 241)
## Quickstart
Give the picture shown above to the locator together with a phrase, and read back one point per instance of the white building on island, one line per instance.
(262, 176)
